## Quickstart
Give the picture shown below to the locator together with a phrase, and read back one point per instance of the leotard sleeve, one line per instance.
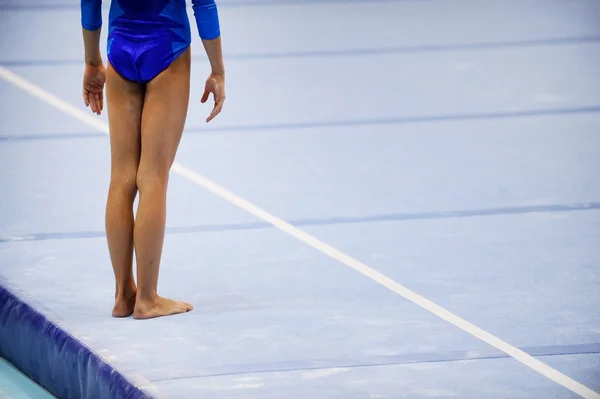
(91, 14)
(207, 18)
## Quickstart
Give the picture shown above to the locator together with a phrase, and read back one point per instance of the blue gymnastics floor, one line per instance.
(451, 146)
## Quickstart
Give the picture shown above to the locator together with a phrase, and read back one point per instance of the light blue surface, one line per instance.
(15, 385)
(452, 145)
(438, 380)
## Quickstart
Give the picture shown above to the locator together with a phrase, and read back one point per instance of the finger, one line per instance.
(94, 98)
(98, 104)
(92, 102)
(205, 96)
(89, 97)
(86, 99)
(216, 111)
(101, 97)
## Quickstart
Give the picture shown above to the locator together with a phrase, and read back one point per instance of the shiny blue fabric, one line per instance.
(91, 14)
(207, 19)
(146, 36)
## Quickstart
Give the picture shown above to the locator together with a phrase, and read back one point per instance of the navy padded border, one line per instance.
(55, 359)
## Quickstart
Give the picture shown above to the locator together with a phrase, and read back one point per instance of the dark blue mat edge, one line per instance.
(55, 359)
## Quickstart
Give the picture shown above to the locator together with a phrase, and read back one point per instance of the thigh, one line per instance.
(125, 100)
(163, 117)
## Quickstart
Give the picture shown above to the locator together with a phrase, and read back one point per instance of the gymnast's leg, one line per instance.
(124, 100)
(163, 119)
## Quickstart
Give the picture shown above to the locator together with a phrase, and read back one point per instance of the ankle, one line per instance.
(125, 291)
(146, 296)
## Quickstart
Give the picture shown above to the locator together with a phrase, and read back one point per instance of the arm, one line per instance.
(94, 74)
(91, 22)
(207, 21)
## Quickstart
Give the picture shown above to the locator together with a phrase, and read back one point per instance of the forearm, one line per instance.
(91, 23)
(215, 55)
(91, 42)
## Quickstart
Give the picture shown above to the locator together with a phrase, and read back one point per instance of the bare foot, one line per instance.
(124, 305)
(147, 309)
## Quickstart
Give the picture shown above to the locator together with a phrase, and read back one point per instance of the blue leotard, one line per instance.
(145, 36)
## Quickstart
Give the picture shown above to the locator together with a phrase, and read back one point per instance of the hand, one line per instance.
(94, 77)
(214, 84)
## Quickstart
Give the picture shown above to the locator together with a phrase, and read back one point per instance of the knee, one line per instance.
(152, 180)
(124, 182)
